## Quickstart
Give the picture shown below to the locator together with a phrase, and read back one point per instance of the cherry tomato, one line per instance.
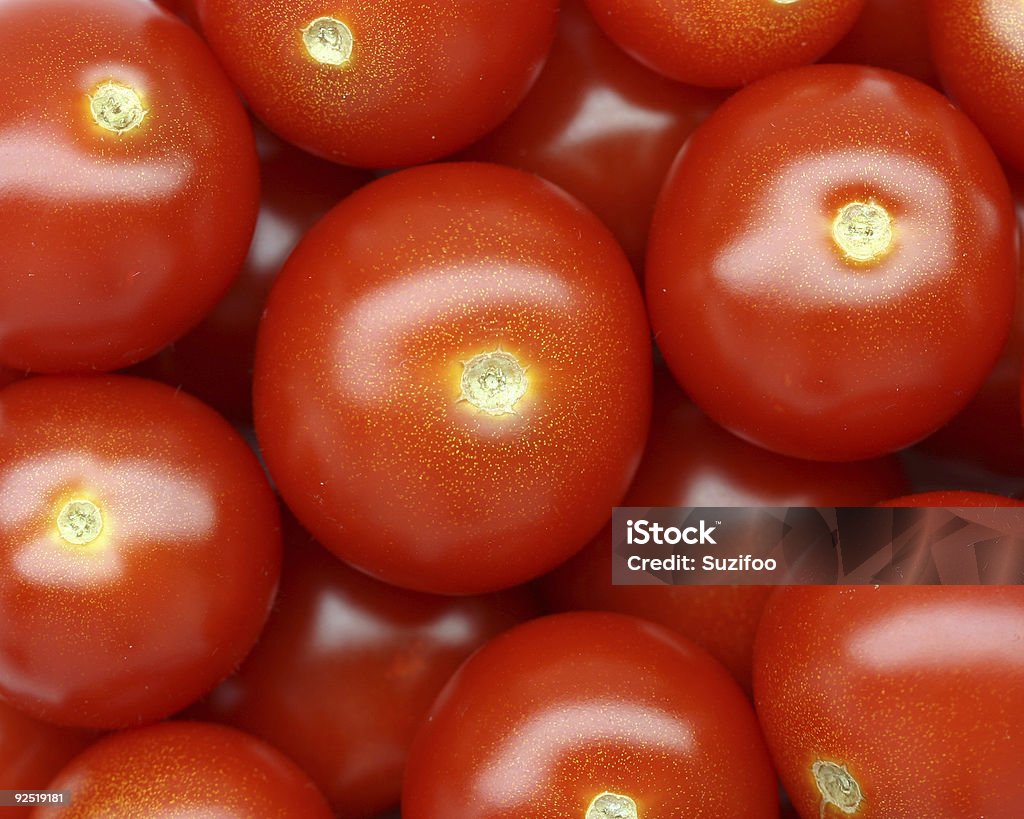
(128, 183)
(31, 753)
(381, 84)
(834, 222)
(348, 667)
(590, 715)
(978, 47)
(459, 411)
(895, 702)
(725, 43)
(214, 361)
(139, 549)
(691, 462)
(890, 34)
(601, 126)
(185, 769)
(952, 498)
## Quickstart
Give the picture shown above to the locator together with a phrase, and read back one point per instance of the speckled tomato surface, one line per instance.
(139, 549)
(895, 702)
(378, 84)
(184, 769)
(978, 47)
(833, 223)
(453, 378)
(347, 668)
(590, 715)
(952, 498)
(725, 43)
(601, 126)
(128, 183)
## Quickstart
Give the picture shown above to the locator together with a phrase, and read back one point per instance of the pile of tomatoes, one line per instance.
(330, 334)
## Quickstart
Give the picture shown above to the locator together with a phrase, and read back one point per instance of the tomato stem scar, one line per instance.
(116, 107)
(328, 41)
(610, 805)
(863, 231)
(837, 787)
(493, 382)
(80, 522)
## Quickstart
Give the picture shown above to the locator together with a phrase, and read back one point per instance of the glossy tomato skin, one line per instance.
(890, 34)
(31, 753)
(952, 498)
(420, 80)
(185, 769)
(139, 549)
(114, 243)
(601, 126)
(803, 349)
(348, 667)
(362, 366)
(214, 361)
(916, 691)
(978, 47)
(689, 461)
(725, 43)
(555, 712)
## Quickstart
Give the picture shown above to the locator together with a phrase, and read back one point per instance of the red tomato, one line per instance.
(185, 769)
(601, 126)
(897, 702)
(214, 362)
(725, 43)
(953, 498)
(590, 715)
(890, 34)
(32, 752)
(836, 221)
(381, 84)
(139, 549)
(691, 462)
(348, 667)
(460, 410)
(978, 47)
(128, 183)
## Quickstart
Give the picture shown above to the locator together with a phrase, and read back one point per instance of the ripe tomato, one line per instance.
(453, 376)
(595, 116)
(978, 46)
(835, 222)
(381, 84)
(691, 462)
(895, 702)
(590, 715)
(214, 361)
(32, 752)
(890, 34)
(185, 769)
(139, 549)
(952, 498)
(347, 669)
(725, 43)
(128, 183)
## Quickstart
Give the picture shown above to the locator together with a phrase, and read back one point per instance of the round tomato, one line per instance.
(184, 769)
(381, 84)
(590, 715)
(128, 183)
(978, 46)
(601, 126)
(895, 702)
(214, 361)
(817, 239)
(348, 667)
(453, 378)
(725, 43)
(139, 549)
(691, 462)
(31, 753)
